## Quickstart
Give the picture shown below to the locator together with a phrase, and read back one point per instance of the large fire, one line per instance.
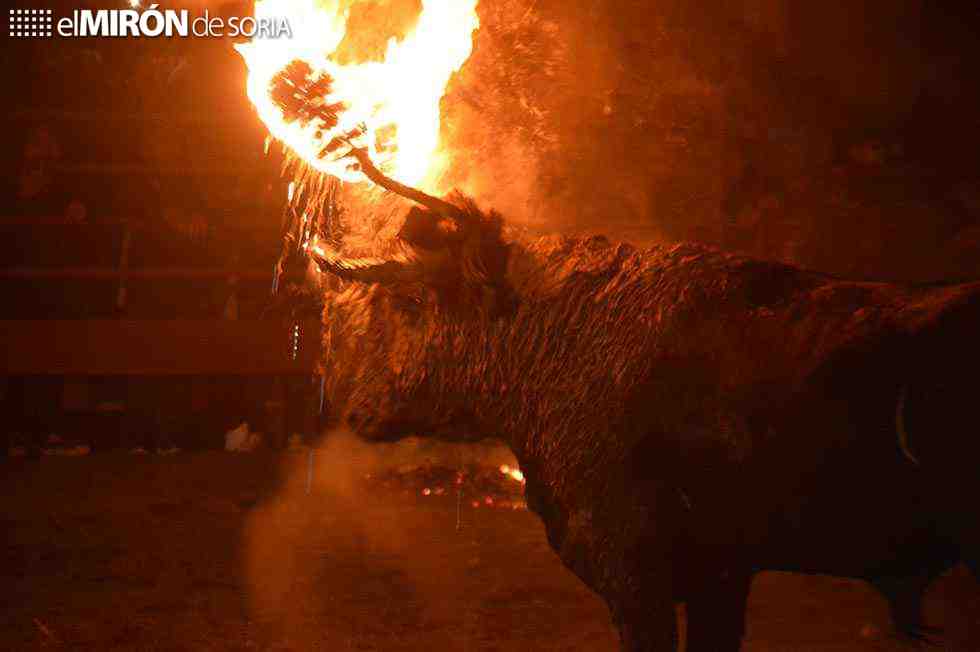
(390, 107)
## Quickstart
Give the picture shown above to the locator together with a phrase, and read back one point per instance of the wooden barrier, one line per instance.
(156, 347)
(109, 273)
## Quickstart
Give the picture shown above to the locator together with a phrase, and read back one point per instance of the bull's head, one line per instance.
(383, 315)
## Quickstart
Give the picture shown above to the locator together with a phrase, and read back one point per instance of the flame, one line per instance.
(395, 101)
(512, 472)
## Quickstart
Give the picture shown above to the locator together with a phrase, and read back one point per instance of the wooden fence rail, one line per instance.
(157, 347)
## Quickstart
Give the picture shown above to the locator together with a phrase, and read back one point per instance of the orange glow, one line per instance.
(512, 472)
(396, 99)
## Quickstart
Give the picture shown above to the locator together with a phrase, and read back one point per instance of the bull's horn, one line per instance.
(903, 435)
(434, 204)
(364, 270)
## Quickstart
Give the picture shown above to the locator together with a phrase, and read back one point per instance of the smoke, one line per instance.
(499, 117)
(297, 544)
(742, 126)
(342, 459)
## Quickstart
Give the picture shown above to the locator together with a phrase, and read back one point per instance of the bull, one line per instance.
(684, 417)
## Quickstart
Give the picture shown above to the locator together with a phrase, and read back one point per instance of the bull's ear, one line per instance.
(424, 230)
(365, 270)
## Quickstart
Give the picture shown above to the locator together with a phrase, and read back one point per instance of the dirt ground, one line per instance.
(225, 551)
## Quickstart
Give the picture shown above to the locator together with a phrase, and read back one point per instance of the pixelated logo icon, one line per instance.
(30, 23)
(139, 22)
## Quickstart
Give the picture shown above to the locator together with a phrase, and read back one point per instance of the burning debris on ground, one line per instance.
(476, 485)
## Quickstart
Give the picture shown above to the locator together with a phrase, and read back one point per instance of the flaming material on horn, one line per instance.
(903, 435)
(388, 107)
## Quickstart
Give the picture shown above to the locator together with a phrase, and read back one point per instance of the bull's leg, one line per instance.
(904, 595)
(716, 616)
(650, 626)
(640, 600)
(635, 587)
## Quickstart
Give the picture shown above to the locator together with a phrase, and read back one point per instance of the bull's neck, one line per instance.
(511, 377)
(484, 386)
